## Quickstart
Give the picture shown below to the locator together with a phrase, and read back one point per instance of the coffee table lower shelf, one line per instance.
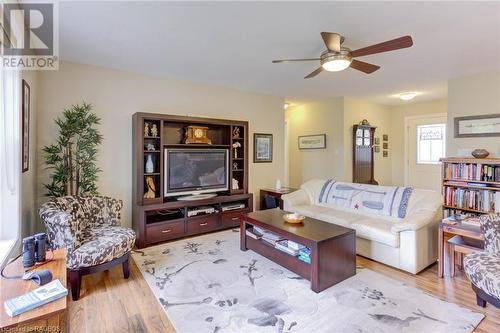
(291, 263)
(332, 260)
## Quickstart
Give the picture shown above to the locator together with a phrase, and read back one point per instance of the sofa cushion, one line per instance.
(101, 245)
(483, 270)
(377, 230)
(309, 210)
(338, 216)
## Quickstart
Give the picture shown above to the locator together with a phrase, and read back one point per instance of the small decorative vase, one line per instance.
(278, 184)
(480, 153)
(149, 165)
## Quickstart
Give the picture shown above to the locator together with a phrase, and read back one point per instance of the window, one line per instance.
(430, 143)
(9, 161)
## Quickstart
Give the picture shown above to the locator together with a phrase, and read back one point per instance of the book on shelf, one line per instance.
(474, 221)
(283, 245)
(252, 233)
(35, 298)
(472, 171)
(474, 199)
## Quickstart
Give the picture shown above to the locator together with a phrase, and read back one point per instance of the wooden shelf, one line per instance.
(152, 137)
(238, 170)
(152, 174)
(470, 181)
(474, 187)
(470, 160)
(468, 209)
(151, 151)
(195, 145)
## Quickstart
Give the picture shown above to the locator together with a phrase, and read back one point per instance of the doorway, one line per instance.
(425, 144)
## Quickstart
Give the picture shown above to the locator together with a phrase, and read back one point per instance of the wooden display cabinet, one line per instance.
(158, 218)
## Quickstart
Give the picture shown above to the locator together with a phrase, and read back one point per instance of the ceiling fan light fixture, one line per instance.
(407, 96)
(336, 61)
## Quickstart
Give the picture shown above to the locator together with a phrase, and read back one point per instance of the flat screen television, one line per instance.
(195, 171)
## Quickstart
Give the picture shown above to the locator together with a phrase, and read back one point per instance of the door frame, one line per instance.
(407, 139)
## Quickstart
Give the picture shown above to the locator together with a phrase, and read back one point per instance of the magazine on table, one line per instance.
(35, 298)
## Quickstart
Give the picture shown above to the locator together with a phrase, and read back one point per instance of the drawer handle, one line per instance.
(235, 218)
(166, 231)
(203, 224)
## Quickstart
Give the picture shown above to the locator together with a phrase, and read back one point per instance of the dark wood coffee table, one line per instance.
(333, 248)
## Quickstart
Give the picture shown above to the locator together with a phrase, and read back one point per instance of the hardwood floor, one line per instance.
(109, 303)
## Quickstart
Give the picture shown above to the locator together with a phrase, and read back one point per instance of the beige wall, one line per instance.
(321, 117)
(468, 96)
(117, 95)
(335, 117)
(356, 110)
(398, 115)
(29, 214)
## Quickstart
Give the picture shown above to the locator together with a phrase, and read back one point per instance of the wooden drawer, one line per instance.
(203, 223)
(232, 218)
(157, 232)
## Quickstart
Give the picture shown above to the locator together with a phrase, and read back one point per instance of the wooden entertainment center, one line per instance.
(157, 217)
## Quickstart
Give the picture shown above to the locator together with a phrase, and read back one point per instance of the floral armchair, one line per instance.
(483, 268)
(89, 228)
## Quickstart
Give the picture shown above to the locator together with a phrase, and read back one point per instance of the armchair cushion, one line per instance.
(63, 229)
(483, 270)
(101, 245)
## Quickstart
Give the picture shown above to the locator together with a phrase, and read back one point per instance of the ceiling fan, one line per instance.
(337, 57)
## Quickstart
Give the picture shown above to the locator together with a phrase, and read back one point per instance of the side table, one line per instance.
(46, 318)
(274, 193)
(451, 230)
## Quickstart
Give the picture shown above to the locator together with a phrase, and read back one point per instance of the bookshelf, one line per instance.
(470, 185)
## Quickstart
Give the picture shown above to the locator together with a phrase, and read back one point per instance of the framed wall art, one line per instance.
(262, 148)
(317, 141)
(25, 111)
(477, 126)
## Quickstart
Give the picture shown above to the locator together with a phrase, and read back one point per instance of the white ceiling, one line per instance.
(232, 44)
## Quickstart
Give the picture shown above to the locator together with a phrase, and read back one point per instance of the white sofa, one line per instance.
(409, 244)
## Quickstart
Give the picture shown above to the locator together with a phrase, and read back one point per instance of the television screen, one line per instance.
(195, 170)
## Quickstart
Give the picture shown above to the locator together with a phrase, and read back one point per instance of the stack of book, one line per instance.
(305, 255)
(483, 200)
(253, 233)
(289, 247)
(267, 236)
(481, 172)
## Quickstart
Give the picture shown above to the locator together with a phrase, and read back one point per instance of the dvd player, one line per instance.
(232, 206)
(200, 211)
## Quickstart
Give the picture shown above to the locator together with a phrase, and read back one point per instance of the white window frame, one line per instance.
(418, 160)
(10, 162)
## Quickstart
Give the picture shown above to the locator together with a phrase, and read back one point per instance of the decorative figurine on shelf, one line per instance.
(236, 145)
(151, 193)
(146, 129)
(150, 147)
(235, 184)
(235, 166)
(154, 131)
(149, 165)
(236, 133)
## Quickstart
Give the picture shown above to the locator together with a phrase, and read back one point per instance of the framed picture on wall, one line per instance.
(25, 114)
(317, 141)
(477, 126)
(262, 148)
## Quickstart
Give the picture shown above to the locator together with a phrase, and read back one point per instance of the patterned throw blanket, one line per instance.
(381, 200)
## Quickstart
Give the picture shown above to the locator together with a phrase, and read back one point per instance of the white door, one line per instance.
(425, 145)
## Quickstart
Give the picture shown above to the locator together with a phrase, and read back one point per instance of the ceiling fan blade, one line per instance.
(364, 66)
(391, 45)
(290, 60)
(313, 74)
(332, 41)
